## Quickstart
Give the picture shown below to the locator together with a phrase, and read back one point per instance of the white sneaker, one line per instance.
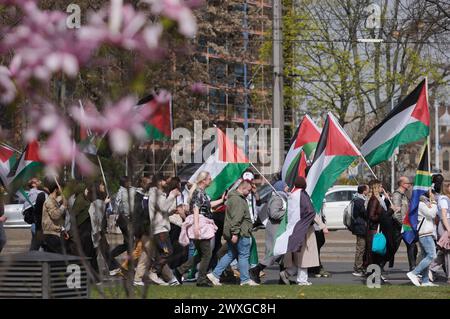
(213, 279)
(114, 272)
(174, 282)
(384, 278)
(304, 283)
(431, 275)
(285, 277)
(414, 279)
(155, 279)
(429, 284)
(138, 283)
(249, 283)
(358, 274)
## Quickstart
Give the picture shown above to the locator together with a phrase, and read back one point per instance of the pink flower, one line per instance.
(43, 45)
(130, 31)
(59, 149)
(7, 87)
(198, 88)
(163, 97)
(178, 11)
(121, 121)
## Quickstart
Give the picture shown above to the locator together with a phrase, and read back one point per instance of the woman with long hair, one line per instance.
(379, 210)
(200, 204)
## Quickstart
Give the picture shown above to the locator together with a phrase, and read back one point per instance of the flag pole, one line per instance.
(368, 166)
(72, 169)
(270, 184)
(429, 154)
(103, 175)
(162, 165)
(7, 146)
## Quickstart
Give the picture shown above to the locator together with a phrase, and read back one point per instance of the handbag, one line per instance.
(444, 241)
(379, 243)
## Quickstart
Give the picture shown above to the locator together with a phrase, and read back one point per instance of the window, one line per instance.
(339, 196)
(446, 161)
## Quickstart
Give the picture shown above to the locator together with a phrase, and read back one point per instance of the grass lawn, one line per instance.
(280, 292)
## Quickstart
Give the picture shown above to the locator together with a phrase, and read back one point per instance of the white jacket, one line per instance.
(159, 207)
(427, 228)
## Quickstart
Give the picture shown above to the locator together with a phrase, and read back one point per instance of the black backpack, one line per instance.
(28, 215)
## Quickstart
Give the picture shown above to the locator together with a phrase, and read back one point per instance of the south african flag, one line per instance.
(422, 184)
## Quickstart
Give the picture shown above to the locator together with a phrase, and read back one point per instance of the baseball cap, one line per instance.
(248, 176)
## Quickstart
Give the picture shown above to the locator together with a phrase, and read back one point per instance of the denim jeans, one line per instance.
(241, 251)
(428, 254)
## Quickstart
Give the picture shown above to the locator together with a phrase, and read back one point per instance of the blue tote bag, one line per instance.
(379, 243)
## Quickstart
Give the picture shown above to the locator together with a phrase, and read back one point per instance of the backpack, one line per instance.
(348, 219)
(28, 215)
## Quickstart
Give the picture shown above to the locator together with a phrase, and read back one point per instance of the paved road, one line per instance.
(337, 256)
(339, 246)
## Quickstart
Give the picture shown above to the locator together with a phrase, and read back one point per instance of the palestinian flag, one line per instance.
(334, 154)
(408, 122)
(422, 184)
(158, 125)
(7, 160)
(27, 166)
(303, 143)
(225, 165)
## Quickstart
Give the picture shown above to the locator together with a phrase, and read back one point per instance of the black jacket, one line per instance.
(359, 217)
(37, 212)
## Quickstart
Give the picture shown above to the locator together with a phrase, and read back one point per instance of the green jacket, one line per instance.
(237, 216)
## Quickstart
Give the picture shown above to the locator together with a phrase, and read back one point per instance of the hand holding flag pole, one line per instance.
(270, 184)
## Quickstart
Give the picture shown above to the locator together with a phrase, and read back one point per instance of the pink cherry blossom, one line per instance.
(59, 150)
(121, 121)
(43, 45)
(7, 87)
(198, 88)
(178, 11)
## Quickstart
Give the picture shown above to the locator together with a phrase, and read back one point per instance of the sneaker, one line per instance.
(174, 282)
(429, 284)
(249, 283)
(261, 274)
(284, 277)
(155, 279)
(304, 283)
(254, 275)
(115, 272)
(318, 275)
(358, 274)
(138, 283)
(384, 279)
(213, 279)
(414, 279)
(324, 273)
(191, 278)
(431, 275)
(177, 276)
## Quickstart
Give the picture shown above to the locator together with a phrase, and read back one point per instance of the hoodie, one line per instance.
(426, 217)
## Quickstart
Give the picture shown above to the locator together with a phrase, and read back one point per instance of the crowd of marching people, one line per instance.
(375, 211)
(173, 232)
